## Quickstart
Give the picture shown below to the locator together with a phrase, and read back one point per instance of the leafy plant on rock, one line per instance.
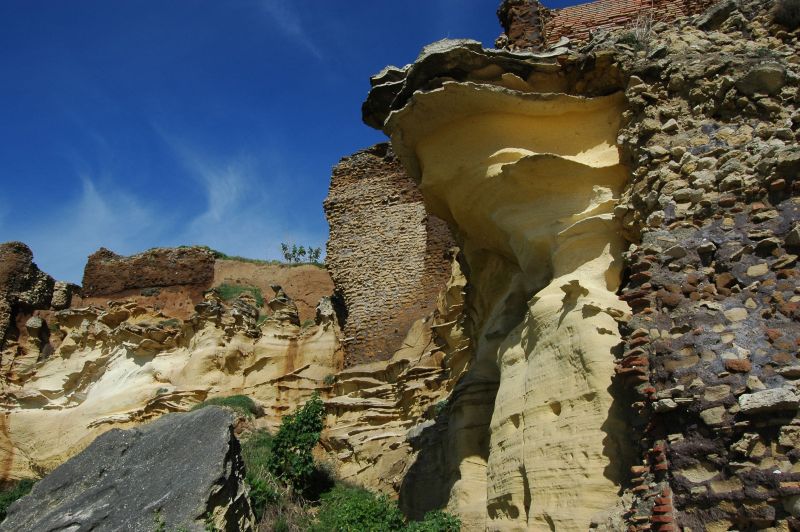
(291, 459)
(20, 489)
(436, 521)
(347, 508)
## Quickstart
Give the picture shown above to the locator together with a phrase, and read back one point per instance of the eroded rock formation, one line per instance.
(697, 372)
(125, 364)
(529, 181)
(23, 287)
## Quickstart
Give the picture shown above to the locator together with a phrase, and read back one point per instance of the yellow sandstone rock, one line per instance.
(529, 182)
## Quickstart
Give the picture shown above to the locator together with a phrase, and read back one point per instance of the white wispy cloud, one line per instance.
(243, 215)
(62, 239)
(288, 21)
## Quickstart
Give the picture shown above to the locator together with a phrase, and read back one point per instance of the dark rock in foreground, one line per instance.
(182, 471)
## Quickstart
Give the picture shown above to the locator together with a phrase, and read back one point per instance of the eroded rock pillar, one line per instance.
(531, 180)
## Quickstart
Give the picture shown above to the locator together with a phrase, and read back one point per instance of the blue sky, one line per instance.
(132, 124)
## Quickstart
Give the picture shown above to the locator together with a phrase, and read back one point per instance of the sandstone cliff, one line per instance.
(613, 345)
(660, 167)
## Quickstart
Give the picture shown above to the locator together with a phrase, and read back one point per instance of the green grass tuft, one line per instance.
(20, 489)
(229, 292)
(240, 403)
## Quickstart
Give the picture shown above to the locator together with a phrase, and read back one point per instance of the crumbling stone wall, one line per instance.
(108, 273)
(387, 257)
(530, 25)
(711, 350)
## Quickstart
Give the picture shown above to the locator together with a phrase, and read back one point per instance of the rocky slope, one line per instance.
(148, 478)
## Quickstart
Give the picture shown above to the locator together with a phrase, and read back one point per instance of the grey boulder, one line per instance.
(180, 472)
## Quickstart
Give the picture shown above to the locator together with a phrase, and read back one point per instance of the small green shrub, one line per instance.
(229, 292)
(20, 489)
(241, 403)
(329, 379)
(256, 450)
(346, 508)
(436, 521)
(307, 323)
(291, 459)
(281, 525)
(787, 13)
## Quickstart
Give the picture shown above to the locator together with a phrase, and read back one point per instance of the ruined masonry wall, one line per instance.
(577, 22)
(387, 257)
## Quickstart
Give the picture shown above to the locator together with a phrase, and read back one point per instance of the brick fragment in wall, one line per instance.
(386, 255)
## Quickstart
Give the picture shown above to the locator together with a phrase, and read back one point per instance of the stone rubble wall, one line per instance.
(530, 25)
(388, 258)
(108, 273)
(712, 347)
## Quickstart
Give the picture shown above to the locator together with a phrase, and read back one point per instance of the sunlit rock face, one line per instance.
(529, 180)
(124, 365)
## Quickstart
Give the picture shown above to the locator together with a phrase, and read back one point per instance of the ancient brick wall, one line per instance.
(108, 273)
(386, 255)
(578, 22)
(528, 22)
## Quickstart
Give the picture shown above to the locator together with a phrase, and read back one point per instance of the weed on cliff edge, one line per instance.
(240, 403)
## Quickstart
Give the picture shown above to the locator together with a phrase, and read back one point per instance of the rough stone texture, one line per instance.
(713, 275)
(387, 256)
(183, 470)
(710, 135)
(528, 25)
(23, 287)
(108, 273)
(125, 364)
(523, 24)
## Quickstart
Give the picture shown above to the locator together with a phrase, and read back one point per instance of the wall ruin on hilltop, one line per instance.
(386, 255)
(528, 24)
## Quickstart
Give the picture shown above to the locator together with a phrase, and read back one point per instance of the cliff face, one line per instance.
(387, 256)
(613, 388)
(614, 345)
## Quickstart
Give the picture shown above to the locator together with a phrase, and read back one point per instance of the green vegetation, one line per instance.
(351, 508)
(346, 508)
(295, 254)
(229, 292)
(241, 403)
(439, 408)
(291, 459)
(787, 13)
(20, 489)
(307, 323)
(264, 490)
(329, 379)
(285, 485)
(436, 521)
